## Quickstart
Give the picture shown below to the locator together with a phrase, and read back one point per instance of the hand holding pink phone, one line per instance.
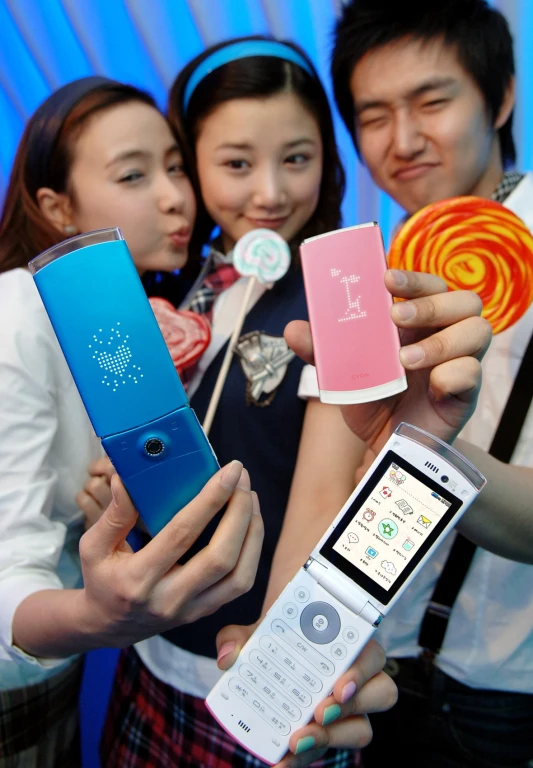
(356, 344)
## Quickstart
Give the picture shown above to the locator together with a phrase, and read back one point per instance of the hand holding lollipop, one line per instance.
(473, 244)
(264, 257)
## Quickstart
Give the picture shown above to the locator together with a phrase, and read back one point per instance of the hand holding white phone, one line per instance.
(411, 497)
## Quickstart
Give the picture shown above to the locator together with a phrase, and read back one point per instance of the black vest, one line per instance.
(266, 441)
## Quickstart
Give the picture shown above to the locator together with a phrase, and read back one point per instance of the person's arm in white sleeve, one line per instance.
(30, 542)
(126, 596)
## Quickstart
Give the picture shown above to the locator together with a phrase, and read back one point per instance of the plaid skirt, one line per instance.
(152, 725)
(39, 724)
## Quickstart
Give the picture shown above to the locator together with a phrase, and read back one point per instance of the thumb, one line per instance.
(230, 641)
(110, 531)
(298, 336)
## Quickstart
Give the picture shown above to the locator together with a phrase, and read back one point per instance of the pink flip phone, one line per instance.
(356, 344)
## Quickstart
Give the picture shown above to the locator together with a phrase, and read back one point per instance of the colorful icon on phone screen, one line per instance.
(408, 544)
(371, 552)
(353, 538)
(388, 528)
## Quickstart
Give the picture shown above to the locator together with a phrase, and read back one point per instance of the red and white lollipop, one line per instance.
(187, 334)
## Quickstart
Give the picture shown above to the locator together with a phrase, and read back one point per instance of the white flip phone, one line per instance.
(411, 497)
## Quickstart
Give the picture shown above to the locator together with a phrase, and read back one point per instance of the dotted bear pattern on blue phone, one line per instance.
(115, 362)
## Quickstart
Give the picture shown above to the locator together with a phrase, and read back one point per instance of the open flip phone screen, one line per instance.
(390, 526)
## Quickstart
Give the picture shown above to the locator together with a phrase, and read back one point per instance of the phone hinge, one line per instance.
(344, 590)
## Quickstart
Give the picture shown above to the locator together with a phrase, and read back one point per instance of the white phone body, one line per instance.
(395, 519)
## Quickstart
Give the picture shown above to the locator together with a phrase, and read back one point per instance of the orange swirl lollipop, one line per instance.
(473, 244)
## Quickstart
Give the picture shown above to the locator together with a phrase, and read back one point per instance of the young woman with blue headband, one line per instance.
(96, 154)
(254, 121)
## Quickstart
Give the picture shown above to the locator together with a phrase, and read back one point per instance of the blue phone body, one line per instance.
(126, 378)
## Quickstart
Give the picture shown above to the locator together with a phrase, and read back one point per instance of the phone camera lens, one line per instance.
(154, 446)
(445, 478)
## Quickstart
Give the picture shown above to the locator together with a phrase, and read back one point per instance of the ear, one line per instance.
(56, 208)
(507, 105)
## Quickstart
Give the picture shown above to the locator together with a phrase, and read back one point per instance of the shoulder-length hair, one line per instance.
(24, 231)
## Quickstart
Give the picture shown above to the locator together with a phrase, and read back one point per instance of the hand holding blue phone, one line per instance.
(124, 373)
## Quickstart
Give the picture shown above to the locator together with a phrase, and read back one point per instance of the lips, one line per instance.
(268, 223)
(180, 238)
(409, 172)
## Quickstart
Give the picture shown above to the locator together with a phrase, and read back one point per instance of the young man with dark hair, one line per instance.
(427, 93)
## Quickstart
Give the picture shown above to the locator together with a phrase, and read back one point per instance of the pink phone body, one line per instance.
(356, 344)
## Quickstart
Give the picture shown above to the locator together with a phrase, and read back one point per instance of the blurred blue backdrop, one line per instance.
(46, 43)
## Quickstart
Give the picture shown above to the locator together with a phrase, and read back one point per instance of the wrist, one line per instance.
(94, 632)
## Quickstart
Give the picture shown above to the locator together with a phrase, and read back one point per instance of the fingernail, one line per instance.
(438, 398)
(412, 354)
(399, 277)
(331, 713)
(113, 491)
(347, 692)
(244, 480)
(308, 742)
(256, 509)
(225, 650)
(231, 475)
(404, 310)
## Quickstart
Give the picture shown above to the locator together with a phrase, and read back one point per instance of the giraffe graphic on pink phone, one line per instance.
(354, 311)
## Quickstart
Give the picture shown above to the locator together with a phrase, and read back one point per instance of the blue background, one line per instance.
(46, 43)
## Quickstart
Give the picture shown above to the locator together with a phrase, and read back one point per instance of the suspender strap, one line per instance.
(457, 565)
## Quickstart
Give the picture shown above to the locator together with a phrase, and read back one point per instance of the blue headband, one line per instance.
(242, 50)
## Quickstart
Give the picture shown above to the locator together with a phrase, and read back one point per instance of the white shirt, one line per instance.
(46, 443)
(183, 670)
(489, 641)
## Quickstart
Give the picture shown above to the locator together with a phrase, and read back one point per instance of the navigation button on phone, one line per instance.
(312, 623)
(338, 651)
(350, 635)
(290, 611)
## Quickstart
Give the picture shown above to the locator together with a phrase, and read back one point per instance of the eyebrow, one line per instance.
(420, 90)
(246, 146)
(139, 154)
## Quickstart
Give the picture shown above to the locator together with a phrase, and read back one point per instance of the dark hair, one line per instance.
(24, 231)
(479, 34)
(259, 77)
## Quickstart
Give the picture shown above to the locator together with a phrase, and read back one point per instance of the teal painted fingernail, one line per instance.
(331, 713)
(308, 742)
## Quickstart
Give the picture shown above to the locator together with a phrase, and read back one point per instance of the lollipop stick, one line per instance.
(223, 373)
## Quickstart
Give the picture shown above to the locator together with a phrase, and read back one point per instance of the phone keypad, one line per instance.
(247, 694)
(306, 650)
(284, 673)
(257, 681)
(260, 660)
(301, 673)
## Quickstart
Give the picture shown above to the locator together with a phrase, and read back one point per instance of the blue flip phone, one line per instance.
(123, 370)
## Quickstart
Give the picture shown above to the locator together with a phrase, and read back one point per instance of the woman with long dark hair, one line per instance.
(96, 154)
